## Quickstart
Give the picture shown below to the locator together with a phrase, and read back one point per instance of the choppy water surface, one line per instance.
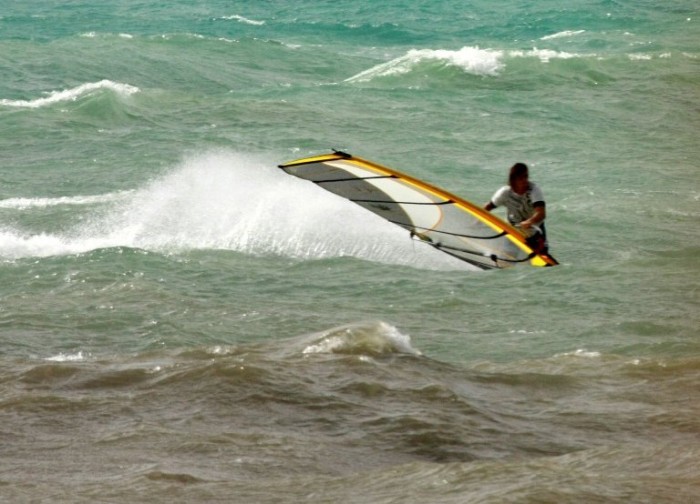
(180, 320)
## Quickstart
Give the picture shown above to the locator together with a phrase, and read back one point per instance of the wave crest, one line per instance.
(374, 339)
(472, 60)
(73, 94)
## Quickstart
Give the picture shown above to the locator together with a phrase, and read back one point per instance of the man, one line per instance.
(525, 204)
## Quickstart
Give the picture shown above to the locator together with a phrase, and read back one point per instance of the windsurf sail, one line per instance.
(442, 220)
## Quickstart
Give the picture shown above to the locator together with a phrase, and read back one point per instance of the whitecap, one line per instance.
(16, 244)
(581, 352)
(544, 55)
(639, 57)
(73, 94)
(242, 19)
(378, 338)
(62, 357)
(563, 34)
(472, 60)
(27, 203)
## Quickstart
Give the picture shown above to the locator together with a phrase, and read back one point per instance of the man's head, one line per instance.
(518, 179)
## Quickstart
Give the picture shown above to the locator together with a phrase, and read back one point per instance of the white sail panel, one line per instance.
(450, 224)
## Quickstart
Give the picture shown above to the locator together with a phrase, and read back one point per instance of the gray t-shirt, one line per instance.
(520, 206)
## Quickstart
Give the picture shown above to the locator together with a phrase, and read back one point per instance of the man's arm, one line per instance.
(540, 213)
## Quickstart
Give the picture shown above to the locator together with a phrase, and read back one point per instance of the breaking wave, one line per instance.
(472, 60)
(73, 94)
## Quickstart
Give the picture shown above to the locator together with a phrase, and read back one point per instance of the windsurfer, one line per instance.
(525, 204)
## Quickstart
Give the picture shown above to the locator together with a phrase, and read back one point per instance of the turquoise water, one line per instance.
(180, 320)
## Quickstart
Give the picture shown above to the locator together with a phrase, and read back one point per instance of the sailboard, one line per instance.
(432, 215)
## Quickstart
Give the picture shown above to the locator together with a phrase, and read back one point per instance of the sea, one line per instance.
(182, 321)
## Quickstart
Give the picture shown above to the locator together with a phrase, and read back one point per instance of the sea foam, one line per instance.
(27, 203)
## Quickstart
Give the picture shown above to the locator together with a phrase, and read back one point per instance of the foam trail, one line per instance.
(72, 94)
(230, 201)
(27, 203)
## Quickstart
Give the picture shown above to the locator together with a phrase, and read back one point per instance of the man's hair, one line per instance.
(516, 171)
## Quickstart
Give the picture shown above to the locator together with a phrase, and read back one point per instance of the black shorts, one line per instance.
(538, 241)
